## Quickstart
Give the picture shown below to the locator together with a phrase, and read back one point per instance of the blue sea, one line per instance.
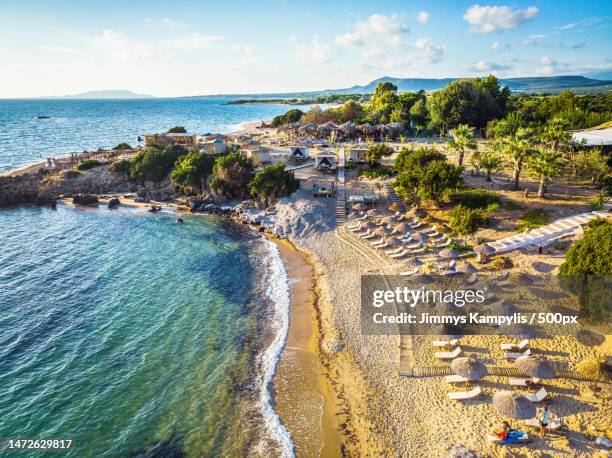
(122, 330)
(77, 125)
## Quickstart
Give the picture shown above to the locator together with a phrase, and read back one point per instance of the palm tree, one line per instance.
(462, 140)
(545, 165)
(556, 133)
(489, 161)
(517, 148)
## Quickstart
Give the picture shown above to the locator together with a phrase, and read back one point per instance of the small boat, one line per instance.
(43, 117)
(179, 220)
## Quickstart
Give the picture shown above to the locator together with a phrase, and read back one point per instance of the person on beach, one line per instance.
(502, 431)
(540, 249)
(544, 419)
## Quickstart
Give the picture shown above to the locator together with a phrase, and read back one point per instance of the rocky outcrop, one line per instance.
(114, 203)
(84, 199)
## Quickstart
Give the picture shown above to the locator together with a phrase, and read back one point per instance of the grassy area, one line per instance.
(379, 172)
(509, 205)
(533, 219)
(88, 164)
(476, 198)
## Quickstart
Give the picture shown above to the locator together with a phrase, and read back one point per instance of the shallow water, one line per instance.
(134, 335)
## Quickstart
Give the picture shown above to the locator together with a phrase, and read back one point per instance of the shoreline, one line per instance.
(305, 402)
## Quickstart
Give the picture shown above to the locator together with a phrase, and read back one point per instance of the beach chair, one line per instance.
(522, 345)
(399, 255)
(448, 354)
(445, 343)
(416, 225)
(455, 379)
(429, 231)
(554, 424)
(418, 251)
(410, 272)
(517, 355)
(394, 251)
(495, 439)
(463, 395)
(377, 242)
(446, 243)
(440, 238)
(539, 396)
(514, 381)
(452, 264)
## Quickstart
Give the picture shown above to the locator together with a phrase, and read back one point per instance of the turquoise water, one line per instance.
(134, 335)
(77, 125)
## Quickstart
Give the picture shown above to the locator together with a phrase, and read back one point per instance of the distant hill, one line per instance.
(537, 84)
(108, 94)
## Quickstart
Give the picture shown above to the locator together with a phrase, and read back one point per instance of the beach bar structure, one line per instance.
(369, 200)
(213, 144)
(258, 154)
(165, 138)
(323, 187)
(325, 161)
(298, 153)
(357, 155)
(594, 138)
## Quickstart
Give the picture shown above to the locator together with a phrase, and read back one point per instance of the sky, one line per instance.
(199, 47)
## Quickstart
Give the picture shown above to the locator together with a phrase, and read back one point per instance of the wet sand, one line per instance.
(304, 400)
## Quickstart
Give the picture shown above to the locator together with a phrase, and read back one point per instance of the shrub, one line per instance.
(122, 146)
(274, 181)
(70, 174)
(596, 223)
(376, 152)
(466, 221)
(88, 164)
(492, 208)
(372, 173)
(231, 175)
(154, 164)
(533, 219)
(122, 166)
(177, 130)
(597, 202)
(290, 117)
(588, 263)
(475, 198)
(192, 169)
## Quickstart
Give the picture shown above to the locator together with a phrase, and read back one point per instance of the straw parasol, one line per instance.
(400, 228)
(366, 128)
(394, 207)
(414, 262)
(348, 127)
(466, 268)
(449, 253)
(513, 405)
(418, 237)
(470, 368)
(394, 242)
(359, 206)
(536, 366)
(374, 212)
(381, 230)
(387, 220)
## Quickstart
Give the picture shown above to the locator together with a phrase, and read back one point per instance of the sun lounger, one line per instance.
(441, 238)
(399, 255)
(446, 243)
(445, 343)
(394, 250)
(377, 242)
(418, 251)
(410, 272)
(455, 379)
(539, 396)
(523, 438)
(429, 230)
(554, 424)
(517, 355)
(514, 381)
(522, 345)
(462, 395)
(448, 354)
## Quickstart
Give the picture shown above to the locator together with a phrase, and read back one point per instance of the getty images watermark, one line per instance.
(523, 306)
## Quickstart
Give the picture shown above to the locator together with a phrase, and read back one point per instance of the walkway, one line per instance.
(341, 193)
(547, 234)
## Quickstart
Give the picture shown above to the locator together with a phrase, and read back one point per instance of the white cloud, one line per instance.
(533, 39)
(388, 29)
(316, 52)
(593, 20)
(423, 17)
(548, 66)
(482, 66)
(428, 52)
(60, 50)
(292, 38)
(194, 41)
(487, 19)
(497, 46)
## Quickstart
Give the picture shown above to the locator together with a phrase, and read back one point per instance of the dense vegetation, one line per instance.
(122, 146)
(177, 130)
(192, 170)
(231, 175)
(466, 221)
(475, 198)
(288, 118)
(89, 164)
(586, 271)
(155, 163)
(274, 181)
(425, 174)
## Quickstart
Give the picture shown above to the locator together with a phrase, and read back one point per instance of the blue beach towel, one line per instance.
(514, 436)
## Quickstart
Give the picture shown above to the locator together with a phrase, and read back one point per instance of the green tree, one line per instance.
(438, 178)
(192, 170)
(516, 149)
(466, 221)
(586, 270)
(383, 102)
(490, 161)
(418, 113)
(556, 134)
(376, 152)
(274, 181)
(288, 118)
(231, 175)
(154, 163)
(462, 139)
(177, 130)
(122, 146)
(591, 163)
(545, 165)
